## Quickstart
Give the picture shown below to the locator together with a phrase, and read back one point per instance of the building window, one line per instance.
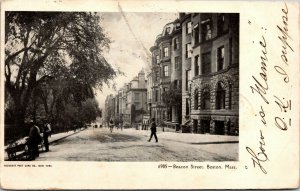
(168, 30)
(175, 84)
(156, 95)
(187, 106)
(189, 27)
(230, 97)
(166, 51)
(196, 34)
(160, 53)
(220, 58)
(166, 70)
(221, 24)
(196, 98)
(157, 59)
(205, 101)
(196, 64)
(220, 96)
(137, 96)
(187, 79)
(188, 50)
(177, 62)
(176, 43)
(206, 63)
(137, 105)
(206, 29)
(178, 26)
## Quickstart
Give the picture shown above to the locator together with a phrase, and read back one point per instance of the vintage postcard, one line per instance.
(149, 95)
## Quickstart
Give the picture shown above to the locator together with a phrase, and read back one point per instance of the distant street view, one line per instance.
(82, 86)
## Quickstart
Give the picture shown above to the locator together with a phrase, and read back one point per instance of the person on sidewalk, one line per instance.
(121, 125)
(34, 140)
(47, 132)
(111, 125)
(153, 130)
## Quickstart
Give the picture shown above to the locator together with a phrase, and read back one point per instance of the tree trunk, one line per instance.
(21, 100)
(19, 121)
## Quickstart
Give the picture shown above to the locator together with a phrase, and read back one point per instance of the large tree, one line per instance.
(45, 46)
(172, 98)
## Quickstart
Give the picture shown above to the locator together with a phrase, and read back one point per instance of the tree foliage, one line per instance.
(90, 110)
(60, 49)
(172, 97)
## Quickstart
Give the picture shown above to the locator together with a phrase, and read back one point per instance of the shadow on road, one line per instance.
(115, 138)
(218, 142)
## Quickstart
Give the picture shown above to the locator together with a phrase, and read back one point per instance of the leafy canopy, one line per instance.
(39, 45)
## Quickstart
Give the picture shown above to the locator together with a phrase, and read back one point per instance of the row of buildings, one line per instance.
(129, 105)
(193, 83)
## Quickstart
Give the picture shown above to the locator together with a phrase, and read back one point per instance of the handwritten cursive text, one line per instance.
(261, 156)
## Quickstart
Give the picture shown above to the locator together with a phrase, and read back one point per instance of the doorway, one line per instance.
(219, 127)
(205, 126)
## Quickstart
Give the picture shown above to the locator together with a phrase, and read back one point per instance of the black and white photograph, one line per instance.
(149, 94)
(86, 86)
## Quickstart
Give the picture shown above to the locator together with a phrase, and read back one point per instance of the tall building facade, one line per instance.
(130, 103)
(198, 53)
(109, 110)
(166, 74)
(136, 99)
(213, 78)
(186, 24)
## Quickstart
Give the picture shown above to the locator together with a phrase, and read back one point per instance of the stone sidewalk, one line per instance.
(190, 138)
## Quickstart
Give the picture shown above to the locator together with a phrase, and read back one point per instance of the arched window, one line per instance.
(220, 96)
(230, 97)
(196, 98)
(205, 99)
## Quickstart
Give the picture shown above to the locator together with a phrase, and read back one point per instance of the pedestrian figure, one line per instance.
(121, 124)
(147, 125)
(111, 125)
(153, 130)
(47, 133)
(34, 140)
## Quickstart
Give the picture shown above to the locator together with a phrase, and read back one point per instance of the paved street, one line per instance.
(132, 145)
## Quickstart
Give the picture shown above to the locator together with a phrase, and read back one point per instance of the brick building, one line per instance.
(165, 75)
(130, 103)
(186, 25)
(211, 72)
(198, 54)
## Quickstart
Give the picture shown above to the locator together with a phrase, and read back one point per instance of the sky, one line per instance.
(132, 35)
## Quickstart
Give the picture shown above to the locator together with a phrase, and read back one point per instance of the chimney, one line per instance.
(142, 79)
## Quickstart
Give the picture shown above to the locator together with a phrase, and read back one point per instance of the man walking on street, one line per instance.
(153, 130)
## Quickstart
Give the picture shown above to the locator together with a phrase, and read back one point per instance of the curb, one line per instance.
(54, 141)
